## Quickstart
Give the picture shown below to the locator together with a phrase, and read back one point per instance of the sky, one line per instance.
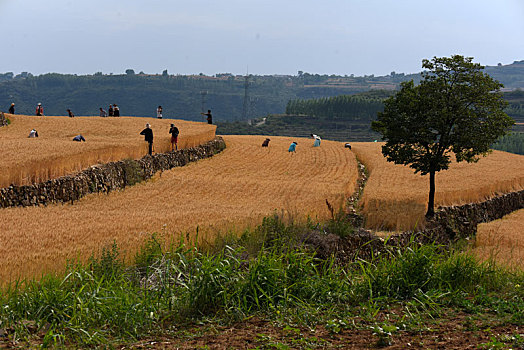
(360, 37)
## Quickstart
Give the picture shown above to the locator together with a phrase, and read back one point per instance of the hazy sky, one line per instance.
(270, 37)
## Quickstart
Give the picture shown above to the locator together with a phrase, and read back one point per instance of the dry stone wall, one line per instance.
(449, 225)
(104, 177)
(3, 119)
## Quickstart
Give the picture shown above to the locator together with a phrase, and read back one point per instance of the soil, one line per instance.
(457, 333)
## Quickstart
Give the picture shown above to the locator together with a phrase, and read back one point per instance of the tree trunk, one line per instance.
(431, 200)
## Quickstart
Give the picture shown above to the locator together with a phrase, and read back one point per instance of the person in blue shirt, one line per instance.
(292, 147)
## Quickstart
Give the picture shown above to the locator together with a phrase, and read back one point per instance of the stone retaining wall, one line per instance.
(104, 178)
(3, 119)
(449, 225)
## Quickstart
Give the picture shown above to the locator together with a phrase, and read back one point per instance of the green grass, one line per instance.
(265, 272)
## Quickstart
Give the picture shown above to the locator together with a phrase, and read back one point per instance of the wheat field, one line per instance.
(233, 189)
(28, 160)
(396, 199)
(502, 240)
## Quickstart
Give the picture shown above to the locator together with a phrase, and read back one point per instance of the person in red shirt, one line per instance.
(39, 109)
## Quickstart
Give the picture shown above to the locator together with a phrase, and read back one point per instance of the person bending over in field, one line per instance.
(174, 137)
(103, 113)
(148, 137)
(266, 143)
(317, 140)
(79, 138)
(33, 133)
(293, 147)
(70, 114)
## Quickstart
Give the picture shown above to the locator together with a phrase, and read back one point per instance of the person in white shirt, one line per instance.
(317, 140)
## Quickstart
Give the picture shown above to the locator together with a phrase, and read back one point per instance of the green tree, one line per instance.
(456, 109)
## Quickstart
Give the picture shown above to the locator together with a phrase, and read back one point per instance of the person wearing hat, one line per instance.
(116, 111)
(174, 137)
(317, 140)
(148, 137)
(39, 109)
(12, 109)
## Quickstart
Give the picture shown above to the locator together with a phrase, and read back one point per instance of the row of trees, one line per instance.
(513, 143)
(347, 107)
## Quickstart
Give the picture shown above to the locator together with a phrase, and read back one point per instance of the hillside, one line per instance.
(25, 160)
(232, 190)
(348, 118)
(181, 95)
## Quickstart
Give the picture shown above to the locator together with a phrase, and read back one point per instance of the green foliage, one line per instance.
(140, 94)
(456, 109)
(105, 303)
(151, 252)
(420, 270)
(133, 172)
(513, 143)
(341, 118)
(345, 107)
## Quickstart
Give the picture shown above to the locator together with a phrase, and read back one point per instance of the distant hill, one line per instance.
(511, 75)
(345, 118)
(184, 96)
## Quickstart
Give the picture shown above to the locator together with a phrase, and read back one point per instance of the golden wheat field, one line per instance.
(26, 160)
(395, 198)
(234, 188)
(502, 240)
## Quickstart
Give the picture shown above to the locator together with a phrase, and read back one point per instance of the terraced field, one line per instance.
(395, 198)
(25, 160)
(233, 189)
(502, 240)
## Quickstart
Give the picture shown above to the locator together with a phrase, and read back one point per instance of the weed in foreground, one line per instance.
(172, 285)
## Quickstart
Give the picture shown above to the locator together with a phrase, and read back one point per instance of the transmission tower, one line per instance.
(203, 94)
(245, 107)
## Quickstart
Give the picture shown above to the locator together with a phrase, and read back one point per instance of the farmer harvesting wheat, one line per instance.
(317, 140)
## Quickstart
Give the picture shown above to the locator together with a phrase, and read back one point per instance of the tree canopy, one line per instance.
(456, 109)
